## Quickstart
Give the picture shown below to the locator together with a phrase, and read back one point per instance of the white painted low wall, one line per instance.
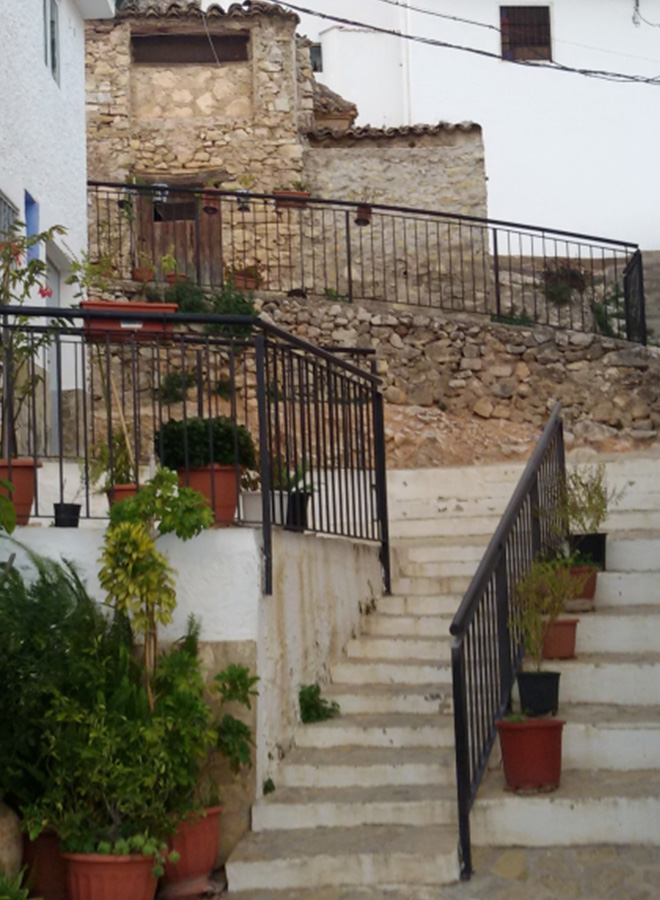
(319, 585)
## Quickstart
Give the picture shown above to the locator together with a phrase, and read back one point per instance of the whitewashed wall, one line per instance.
(42, 122)
(562, 150)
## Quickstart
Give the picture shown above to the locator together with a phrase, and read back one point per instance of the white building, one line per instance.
(43, 170)
(562, 149)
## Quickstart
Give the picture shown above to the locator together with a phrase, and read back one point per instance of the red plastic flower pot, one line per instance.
(586, 576)
(23, 478)
(531, 753)
(559, 639)
(196, 841)
(97, 876)
(219, 485)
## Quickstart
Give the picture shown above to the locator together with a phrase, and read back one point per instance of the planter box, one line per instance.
(96, 329)
(291, 199)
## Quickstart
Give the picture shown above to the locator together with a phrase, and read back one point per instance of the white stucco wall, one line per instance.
(42, 122)
(319, 587)
(562, 150)
(218, 574)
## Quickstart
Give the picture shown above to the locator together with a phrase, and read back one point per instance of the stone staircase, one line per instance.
(368, 798)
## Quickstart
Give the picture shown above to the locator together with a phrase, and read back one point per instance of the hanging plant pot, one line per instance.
(363, 215)
(96, 329)
(67, 515)
(23, 474)
(96, 876)
(531, 753)
(539, 692)
(210, 204)
(46, 867)
(220, 485)
(242, 200)
(593, 546)
(559, 639)
(196, 841)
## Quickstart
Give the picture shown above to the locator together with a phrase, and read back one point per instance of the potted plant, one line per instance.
(116, 471)
(294, 197)
(208, 454)
(67, 515)
(540, 598)
(251, 497)
(247, 278)
(211, 199)
(143, 271)
(293, 484)
(531, 752)
(169, 266)
(22, 276)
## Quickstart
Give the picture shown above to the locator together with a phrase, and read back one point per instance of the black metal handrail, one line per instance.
(315, 415)
(486, 652)
(429, 259)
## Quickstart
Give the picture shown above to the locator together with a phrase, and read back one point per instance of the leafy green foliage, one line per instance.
(7, 508)
(268, 787)
(231, 302)
(12, 887)
(314, 707)
(513, 318)
(173, 386)
(234, 684)
(231, 443)
(235, 741)
(334, 296)
(122, 468)
(53, 641)
(540, 597)
(560, 279)
(585, 498)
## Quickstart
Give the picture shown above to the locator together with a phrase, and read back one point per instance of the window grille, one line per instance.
(525, 32)
(191, 49)
(8, 213)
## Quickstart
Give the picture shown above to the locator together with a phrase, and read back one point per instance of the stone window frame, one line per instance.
(526, 33)
(193, 48)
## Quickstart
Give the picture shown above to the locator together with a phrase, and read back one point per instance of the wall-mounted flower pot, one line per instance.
(22, 477)
(531, 753)
(210, 204)
(219, 485)
(196, 841)
(95, 876)
(96, 329)
(539, 692)
(363, 215)
(243, 201)
(291, 199)
(559, 639)
(67, 515)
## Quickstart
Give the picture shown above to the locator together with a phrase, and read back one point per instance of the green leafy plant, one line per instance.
(7, 509)
(230, 302)
(22, 276)
(12, 887)
(173, 386)
(91, 274)
(314, 707)
(168, 262)
(231, 443)
(560, 279)
(540, 597)
(585, 499)
(268, 787)
(334, 296)
(120, 469)
(512, 318)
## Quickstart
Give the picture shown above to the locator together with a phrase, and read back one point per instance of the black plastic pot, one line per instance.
(296, 510)
(539, 692)
(67, 515)
(591, 545)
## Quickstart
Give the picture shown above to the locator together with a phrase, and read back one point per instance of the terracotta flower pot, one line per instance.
(531, 753)
(219, 485)
(363, 215)
(143, 274)
(46, 867)
(96, 329)
(585, 578)
(559, 639)
(119, 492)
(95, 876)
(196, 841)
(23, 478)
(291, 199)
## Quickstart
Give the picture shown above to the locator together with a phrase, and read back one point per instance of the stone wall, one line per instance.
(471, 367)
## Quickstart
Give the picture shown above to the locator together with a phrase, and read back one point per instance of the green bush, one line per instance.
(232, 444)
(314, 707)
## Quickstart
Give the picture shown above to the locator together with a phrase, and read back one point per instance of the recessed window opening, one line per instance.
(52, 37)
(316, 57)
(525, 32)
(8, 213)
(190, 49)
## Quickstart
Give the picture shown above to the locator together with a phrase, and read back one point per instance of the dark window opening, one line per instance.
(175, 211)
(525, 32)
(198, 49)
(316, 57)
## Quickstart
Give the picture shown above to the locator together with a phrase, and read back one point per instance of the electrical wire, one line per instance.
(637, 15)
(617, 77)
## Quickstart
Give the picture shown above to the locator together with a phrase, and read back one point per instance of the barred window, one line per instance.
(8, 213)
(199, 49)
(525, 32)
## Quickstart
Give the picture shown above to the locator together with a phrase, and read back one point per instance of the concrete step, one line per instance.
(468, 527)
(630, 629)
(381, 854)
(431, 604)
(440, 550)
(438, 569)
(619, 679)
(407, 804)
(365, 767)
(399, 647)
(621, 589)
(385, 699)
(410, 587)
(452, 506)
(429, 626)
(633, 552)
(385, 730)
(605, 807)
(610, 737)
(385, 671)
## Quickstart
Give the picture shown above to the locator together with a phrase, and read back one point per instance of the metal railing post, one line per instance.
(264, 461)
(381, 486)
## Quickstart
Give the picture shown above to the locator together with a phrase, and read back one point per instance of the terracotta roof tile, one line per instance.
(365, 132)
(191, 9)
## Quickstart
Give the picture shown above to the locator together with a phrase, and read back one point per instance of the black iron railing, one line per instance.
(103, 384)
(633, 291)
(486, 651)
(346, 251)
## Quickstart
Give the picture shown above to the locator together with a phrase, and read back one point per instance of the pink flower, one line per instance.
(45, 291)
